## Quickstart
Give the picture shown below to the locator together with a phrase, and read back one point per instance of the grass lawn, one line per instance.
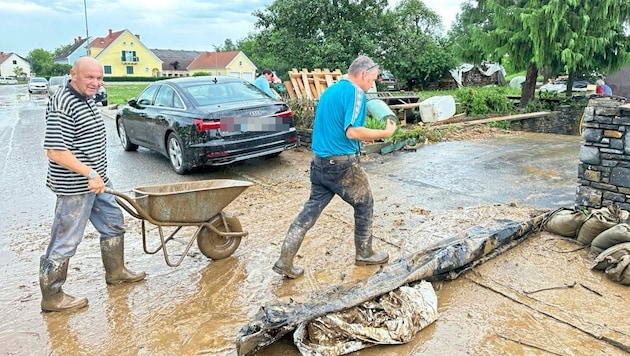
(120, 93)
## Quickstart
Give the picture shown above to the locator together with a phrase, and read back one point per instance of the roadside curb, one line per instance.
(107, 112)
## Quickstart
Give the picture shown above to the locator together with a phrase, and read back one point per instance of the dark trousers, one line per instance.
(348, 180)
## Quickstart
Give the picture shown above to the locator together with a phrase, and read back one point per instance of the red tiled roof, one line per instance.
(214, 60)
(4, 56)
(102, 42)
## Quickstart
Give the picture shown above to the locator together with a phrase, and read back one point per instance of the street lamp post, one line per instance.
(87, 34)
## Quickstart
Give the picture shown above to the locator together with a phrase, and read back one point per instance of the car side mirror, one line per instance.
(133, 102)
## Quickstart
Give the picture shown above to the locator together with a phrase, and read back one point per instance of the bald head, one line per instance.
(87, 76)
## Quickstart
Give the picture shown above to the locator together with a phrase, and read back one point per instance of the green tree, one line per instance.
(324, 34)
(416, 55)
(41, 61)
(18, 72)
(569, 36)
(227, 46)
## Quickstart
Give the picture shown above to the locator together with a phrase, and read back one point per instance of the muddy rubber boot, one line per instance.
(290, 247)
(112, 252)
(52, 276)
(365, 255)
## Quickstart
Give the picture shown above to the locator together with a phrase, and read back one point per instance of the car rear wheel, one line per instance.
(124, 139)
(176, 154)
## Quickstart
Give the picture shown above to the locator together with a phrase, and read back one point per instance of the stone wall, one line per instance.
(565, 121)
(604, 169)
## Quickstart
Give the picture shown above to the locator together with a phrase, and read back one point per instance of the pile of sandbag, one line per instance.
(605, 230)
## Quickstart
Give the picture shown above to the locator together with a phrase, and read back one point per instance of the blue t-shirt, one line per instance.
(341, 105)
(263, 84)
(607, 89)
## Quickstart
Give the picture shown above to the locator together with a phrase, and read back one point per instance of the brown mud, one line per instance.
(538, 298)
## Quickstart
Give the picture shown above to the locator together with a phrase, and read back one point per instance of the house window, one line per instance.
(107, 69)
(124, 43)
(14, 61)
(240, 63)
(129, 56)
(130, 70)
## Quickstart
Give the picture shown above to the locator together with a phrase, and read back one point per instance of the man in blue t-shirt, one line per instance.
(263, 80)
(338, 130)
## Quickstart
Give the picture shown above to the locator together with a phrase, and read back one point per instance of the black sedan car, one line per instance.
(198, 121)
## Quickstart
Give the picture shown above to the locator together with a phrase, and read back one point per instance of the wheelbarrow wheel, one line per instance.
(213, 245)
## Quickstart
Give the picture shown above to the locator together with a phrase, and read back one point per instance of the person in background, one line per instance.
(75, 143)
(601, 88)
(339, 129)
(263, 80)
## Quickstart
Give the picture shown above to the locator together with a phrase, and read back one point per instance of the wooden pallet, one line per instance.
(310, 85)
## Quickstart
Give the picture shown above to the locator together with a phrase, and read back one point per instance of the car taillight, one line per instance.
(285, 114)
(202, 125)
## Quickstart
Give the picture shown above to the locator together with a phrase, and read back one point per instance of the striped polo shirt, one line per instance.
(74, 123)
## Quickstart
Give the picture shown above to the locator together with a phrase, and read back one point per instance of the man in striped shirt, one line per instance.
(75, 144)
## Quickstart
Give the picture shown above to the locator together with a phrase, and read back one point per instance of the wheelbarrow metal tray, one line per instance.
(188, 202)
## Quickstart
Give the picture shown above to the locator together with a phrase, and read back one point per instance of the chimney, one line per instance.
(79, 39)
(137, 36)
(110, 32)
(76, 40)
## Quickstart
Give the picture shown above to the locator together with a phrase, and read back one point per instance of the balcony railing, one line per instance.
(130, 59)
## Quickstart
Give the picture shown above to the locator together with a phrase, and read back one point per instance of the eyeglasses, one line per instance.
(371, 67)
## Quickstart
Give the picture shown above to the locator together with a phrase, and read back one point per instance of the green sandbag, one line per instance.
(565, 222)
(615, 235)
(599, 221)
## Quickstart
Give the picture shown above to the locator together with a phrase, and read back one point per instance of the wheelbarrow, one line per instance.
(199, 204)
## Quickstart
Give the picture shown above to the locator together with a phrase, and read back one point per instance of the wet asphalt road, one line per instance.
(531, 169)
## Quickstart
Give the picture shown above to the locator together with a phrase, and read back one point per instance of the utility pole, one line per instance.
(87, 34)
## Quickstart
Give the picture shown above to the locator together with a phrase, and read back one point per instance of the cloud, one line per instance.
(166, 24)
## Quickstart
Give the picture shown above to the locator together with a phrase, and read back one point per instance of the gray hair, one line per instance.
(599, 82)
(361, 64)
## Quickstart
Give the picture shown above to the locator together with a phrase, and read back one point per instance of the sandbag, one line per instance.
(393, 318)
(619, 271)
(613, 253)
(600, 220)
(617, 234)
(565, 222)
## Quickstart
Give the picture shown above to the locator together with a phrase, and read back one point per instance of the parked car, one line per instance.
(101, 96)
(8, 80)
(206, 120)
(57, 82)
(38, 85)
(388, 80)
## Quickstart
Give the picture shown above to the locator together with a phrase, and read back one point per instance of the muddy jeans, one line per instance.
(72, 213)
(348, 180)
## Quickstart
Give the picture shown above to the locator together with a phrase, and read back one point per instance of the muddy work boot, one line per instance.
(365, 255)
(112, 251)
(52, 276)
(290, 247)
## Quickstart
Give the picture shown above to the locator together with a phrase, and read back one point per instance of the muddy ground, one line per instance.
(539, 298)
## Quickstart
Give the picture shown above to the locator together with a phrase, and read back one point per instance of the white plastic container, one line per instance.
(437, 108)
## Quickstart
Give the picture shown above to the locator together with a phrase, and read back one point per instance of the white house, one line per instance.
(10, 61)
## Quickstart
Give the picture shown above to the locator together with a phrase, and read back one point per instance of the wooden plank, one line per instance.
(317, 81)
(507, 118)
(290, 91)
(306, 85)
(294, 76)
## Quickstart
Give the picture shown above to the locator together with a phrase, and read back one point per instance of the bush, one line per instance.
(484, 101)
(303, 112)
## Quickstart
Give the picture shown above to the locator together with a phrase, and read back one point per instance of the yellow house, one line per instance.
(123, 55)
(233, 64)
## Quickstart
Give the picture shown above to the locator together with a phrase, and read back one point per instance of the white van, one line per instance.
(8, 80)
(57, 82)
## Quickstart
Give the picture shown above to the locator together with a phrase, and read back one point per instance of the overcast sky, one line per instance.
(164, 24)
